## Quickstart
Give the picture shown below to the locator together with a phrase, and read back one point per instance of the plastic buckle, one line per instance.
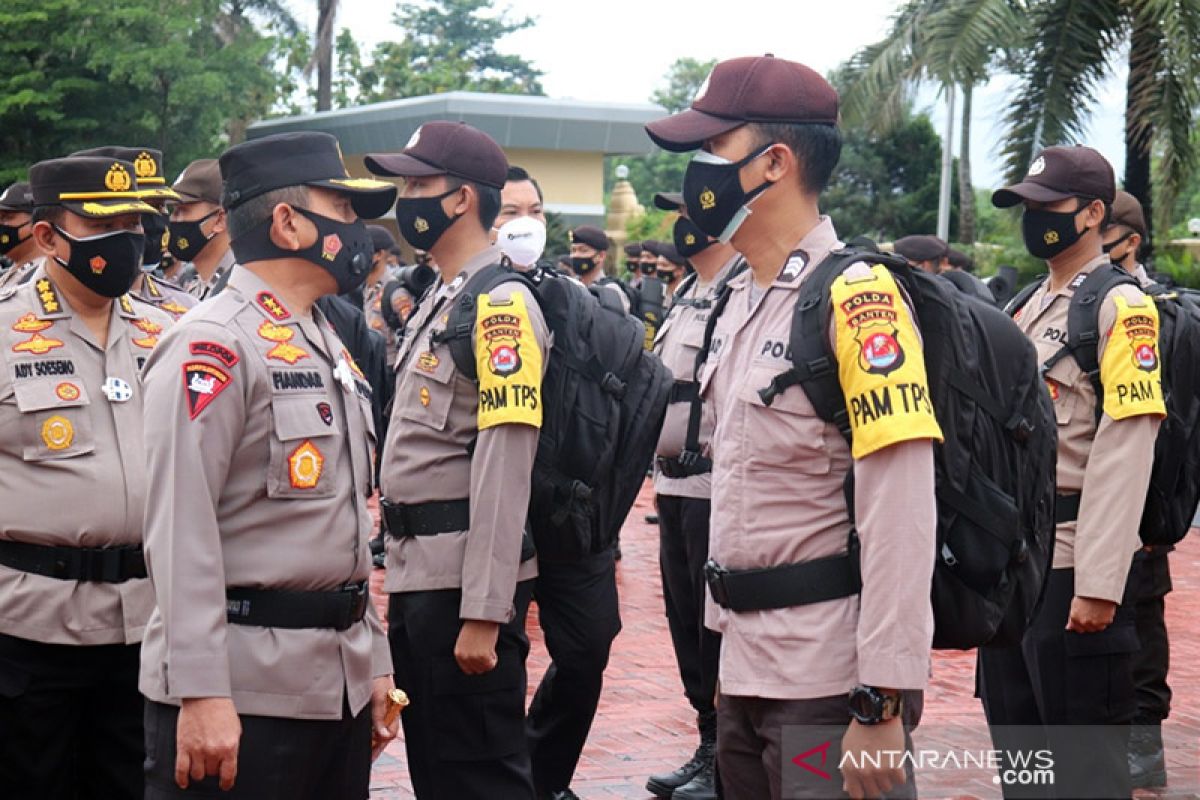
(613, 385)
(714, 576)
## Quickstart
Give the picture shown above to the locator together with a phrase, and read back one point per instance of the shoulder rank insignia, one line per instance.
(173, 308)
(28, 323)
(48, 297)
(37, 344)
(269, 303)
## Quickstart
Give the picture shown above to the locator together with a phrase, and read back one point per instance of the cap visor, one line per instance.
(161, 193)
(1012, 195)
(99, 209)
(369, 198)
(26, 209)
(668, 201)
(185, 198)
(689, 129)
(399, 165)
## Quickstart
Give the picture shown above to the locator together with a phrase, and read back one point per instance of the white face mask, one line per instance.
(522, 239)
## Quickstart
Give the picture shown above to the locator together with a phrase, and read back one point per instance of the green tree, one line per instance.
(950, 43)
(79, 73)
(1067, 53)
(886, 184)
(448, 45)
(662, 171)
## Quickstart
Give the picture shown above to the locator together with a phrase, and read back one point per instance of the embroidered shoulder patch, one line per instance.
(218, 351)
(508, 361)
(1131, 368)
(202, 383)
(881, 365)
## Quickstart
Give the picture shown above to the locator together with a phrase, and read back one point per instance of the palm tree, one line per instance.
(952, 43)
(1067, 54)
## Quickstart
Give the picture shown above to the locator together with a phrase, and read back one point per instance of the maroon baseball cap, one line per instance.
(591, 236)
(445, 148)
(1061, 172)
(1127, 211)
(751, 89)
(921, 247)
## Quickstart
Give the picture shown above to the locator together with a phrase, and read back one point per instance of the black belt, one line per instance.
(1066, 508)
(685, 466)
(95, 564)
(683, 392)
(426, 519)
(282, 608)
(783, 587)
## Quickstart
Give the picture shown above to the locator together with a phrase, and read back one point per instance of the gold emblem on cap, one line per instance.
(144, 165)
(708, 200)
(1051, 237)
(58, 433)
(420, 225)
(117, 179)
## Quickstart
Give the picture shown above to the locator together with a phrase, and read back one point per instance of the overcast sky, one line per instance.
(619, 50)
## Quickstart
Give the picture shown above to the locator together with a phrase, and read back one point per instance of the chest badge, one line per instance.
(116, 390)
(37, 344)
(305, 465)
(424, 397)
(58, 433)
(282, 336)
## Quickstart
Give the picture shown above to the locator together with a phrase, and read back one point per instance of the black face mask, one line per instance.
(10, 237)
(1049, 233)
(716, 202)
(666, 276)
(582, 265)
(422, 220)
(647, 268)
(1108, 248)
(155, 228)
(343, 249)
(107, 263)
(689, 239)
(187, 239)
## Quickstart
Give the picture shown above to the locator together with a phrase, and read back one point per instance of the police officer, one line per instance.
(932, 255)
(456, 477)
(683, 486)
(17, 244)
(671, 267)
(767, 131)
(589, 255)
(265, 666)
(1074, 665)
(198, 234)
(633, 258)
(381, 242)
(1125, 241)
(76, 598)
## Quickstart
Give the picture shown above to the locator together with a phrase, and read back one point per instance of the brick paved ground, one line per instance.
(644, 724)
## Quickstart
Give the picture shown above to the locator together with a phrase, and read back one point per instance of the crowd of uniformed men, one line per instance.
(221, 372)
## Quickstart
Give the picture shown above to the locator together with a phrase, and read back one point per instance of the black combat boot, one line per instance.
(666, 785)
(1147, 763)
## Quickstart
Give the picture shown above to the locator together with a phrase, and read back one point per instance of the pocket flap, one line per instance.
(39, 395)
(303, 418)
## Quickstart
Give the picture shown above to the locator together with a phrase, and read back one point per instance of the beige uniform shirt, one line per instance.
(259, 440)
(72, 462)
(201, 289)
(679, 340)
(425, 459)
(373, 311)
(1110, 463)
(17, 273)
(167, 297)
(778, 499)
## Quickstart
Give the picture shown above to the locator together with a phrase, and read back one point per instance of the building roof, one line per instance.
(514, 121)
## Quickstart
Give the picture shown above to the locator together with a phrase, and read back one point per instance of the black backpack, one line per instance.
(995, 471)
(603, 402)
(1174, 489)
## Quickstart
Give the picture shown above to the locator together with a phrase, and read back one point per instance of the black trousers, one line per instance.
(682, 551)
(1152, 662)
(1057, 678)
(578, 612)
(70, 721)
(751, 741)
(278, 759)
(464, 734)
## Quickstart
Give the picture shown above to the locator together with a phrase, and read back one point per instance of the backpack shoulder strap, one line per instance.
(457, 333)
(1022, 297)
(814, 366)
(1083, 325)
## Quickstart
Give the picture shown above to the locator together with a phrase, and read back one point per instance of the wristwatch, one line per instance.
(870, 706)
